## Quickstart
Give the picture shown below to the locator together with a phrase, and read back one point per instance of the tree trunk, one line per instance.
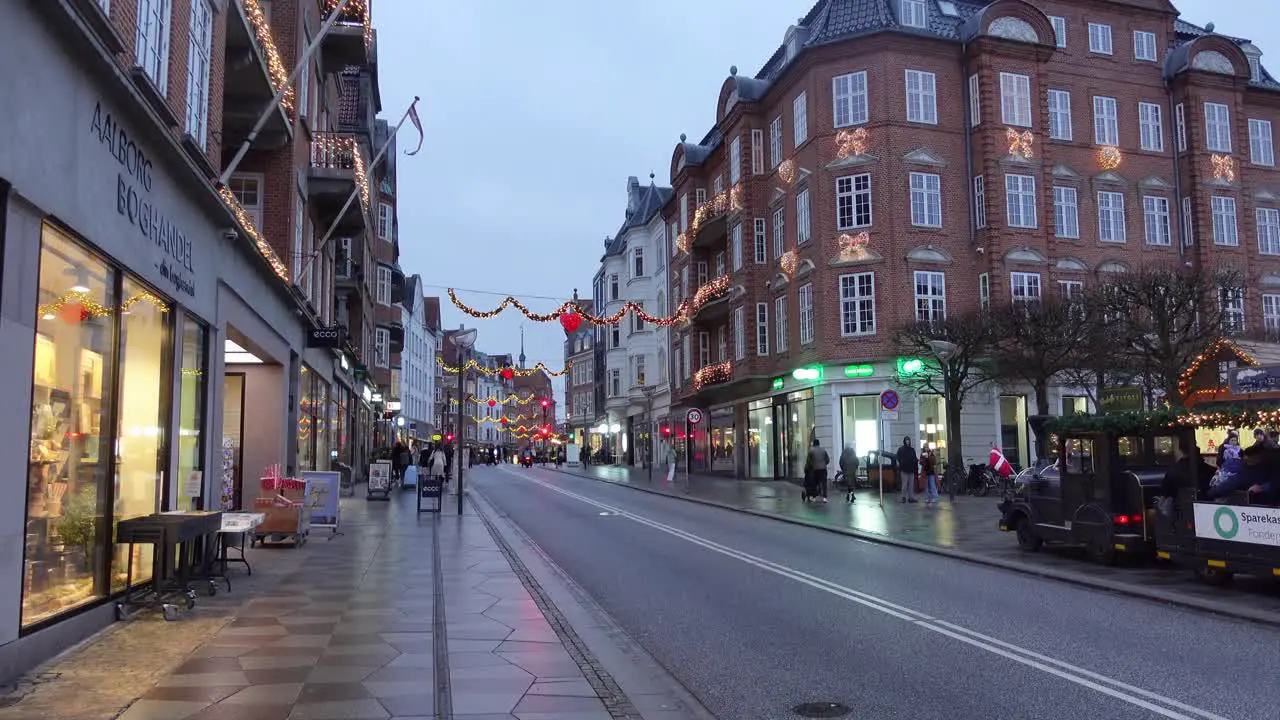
(1100, 381)
(1041, 388)
(955, 443)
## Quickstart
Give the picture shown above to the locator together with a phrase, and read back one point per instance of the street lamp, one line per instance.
(649, 391)
(614, 429)
(945, 351)
(464, 340)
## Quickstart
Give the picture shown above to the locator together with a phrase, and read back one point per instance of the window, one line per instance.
(1155, 213)
(686, 367)
(718, 186)
(1233, 310)
(948, 8)
(757, 152)
(1059, 30)
(1268, 231)
(383, 288)
(673, 235)
(1144, 45)
(779, 233)
(762, 329)
(382, 347)
(247, 190)
(1217, 127)
(780, 321)
(849, 99)
(384, 221)
(1070, 290)
(800, 119)
(922, 97)
(1015, 99)
(1224, 221)
(984, 290)
(615, 337)
(804, 295)
(699, 197)
(722, 344)
(200, 47)
(761, 242)
(853, 201)
(684, 212)
(735, 160)
(1066, 213)
(1111, 217)
(736, 246)
(1188, 235)
(775, 142)
(926, 199)
(1261, 150)
(637, 262)
(1106, 130)
(1020, 192)
(702, 272)
(975, 101)
(739, 333)
(979, 201)
(931, 296)
(858, 304)
(152, 41)
(1271, 313)
(299, 235)
(1025, 287)
(1180, 121)
(1059, 115)
(637, 371)
(1150, 127)
(1100, 39)
(802, 217)
(912, 13)
(720, 269)
(615, 382)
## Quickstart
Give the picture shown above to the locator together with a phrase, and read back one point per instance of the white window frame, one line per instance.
(1101, 41)
(1226, 232)
(1271, 312)
(1015, 99)
(1180, 122)
(1233, 310)
(926, 199)
(1150, 127)
(1020, 201)
(735, 160)
(930, 295)
(912, 13)
(1268, 220)
(849, 104)
(740, 333)
(1217, 127)
(684, 212)
(1060, 127)
(780, 323)
(1059, 30)
(800, 119)
(762, 329)
(704, 347)
(384, 221)
(1188, 225)
(382, 291)
(151, 41)
(238, 185)
(804, 298)
(1070, 290)
(984, 290)
(979, 201)
(775, 142)
(381, 347)
(637, 261)
(857, 302)
(1261, 144)
(1066, 212)
(1144, 45)
(975, 101)
(853, 193)
(922, 101)
(1025, 287)
(757, 152)
(298, 261)
(1155, 219)
(803, 218)
(199, 64)
(779, 232)
(735, 249)
(1111, 217)
(1106, 121)
(761, 241)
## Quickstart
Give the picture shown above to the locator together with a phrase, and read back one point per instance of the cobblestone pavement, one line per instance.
(967, 525)
(359, 627)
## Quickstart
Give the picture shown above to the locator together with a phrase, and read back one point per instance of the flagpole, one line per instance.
(275, 101)
(319, 248)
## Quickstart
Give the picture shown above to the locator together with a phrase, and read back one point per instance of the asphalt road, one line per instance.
(756, 617)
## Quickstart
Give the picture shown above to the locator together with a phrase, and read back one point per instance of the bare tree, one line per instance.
(1167, 317)
(1036, 342)
(969, 336)
(1098, 362)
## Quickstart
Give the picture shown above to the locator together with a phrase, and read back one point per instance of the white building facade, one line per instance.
(416, 393)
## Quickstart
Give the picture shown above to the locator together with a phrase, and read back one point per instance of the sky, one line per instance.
(535, 114)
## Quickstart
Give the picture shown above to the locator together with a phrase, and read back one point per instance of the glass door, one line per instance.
(1013, 429)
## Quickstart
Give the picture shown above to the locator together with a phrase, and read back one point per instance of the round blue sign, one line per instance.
(889, 400)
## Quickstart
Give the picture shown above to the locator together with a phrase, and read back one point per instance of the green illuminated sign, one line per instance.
(806, 374)
(859, 371)
(910, 366)
(778, 383)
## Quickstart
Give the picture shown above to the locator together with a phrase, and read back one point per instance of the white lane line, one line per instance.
(1146, 699)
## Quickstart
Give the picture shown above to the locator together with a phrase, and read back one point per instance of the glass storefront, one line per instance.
(1013, 429)
(761, 446)
(339, 425)
(191, 403)
(99, 426)
(313, 421)
(933, 424)
(779, 431)
(721, 441)
(860, 425)
(799, 433)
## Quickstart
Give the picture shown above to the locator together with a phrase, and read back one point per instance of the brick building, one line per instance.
(580, 409)
(898, 159)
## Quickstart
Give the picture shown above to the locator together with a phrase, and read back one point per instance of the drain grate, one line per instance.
(822, 710)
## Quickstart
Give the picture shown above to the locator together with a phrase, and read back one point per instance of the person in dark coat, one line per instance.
(908, 468)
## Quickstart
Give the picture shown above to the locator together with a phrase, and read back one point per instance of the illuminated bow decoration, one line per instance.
(851, 142)
(1021, 144)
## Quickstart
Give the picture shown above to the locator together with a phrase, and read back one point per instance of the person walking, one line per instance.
(908, 467)
(929, 466)
(849, 468)
(816, 469)
(436, 465)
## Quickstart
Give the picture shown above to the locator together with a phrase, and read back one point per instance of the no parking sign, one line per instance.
(889, 405)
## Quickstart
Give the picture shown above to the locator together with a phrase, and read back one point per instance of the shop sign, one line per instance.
(133, 187)
(1121, 399)
(394, 406)
(326, 337)
(779, 383)
(376, 397)
(1237, 523)
(910, 366)
(1255, 380)
(859, 371)
(366, 393)
(807, 374)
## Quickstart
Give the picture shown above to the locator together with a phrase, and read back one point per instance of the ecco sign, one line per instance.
(330, 337)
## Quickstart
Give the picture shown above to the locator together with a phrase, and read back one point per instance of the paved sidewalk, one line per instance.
(966, 526)
(341, 629)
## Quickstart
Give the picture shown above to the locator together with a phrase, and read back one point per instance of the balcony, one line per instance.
(254, 70)
(350, 41)
(396, 337)
(711, 219)
(338, 169)
(713, 375)
(711, 301)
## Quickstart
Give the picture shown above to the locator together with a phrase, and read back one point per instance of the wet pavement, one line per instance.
(401, 616)
(967, 525)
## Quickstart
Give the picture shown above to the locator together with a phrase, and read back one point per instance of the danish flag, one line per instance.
(999, 463)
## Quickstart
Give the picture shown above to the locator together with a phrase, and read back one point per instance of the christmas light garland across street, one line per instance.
(521, 372)
(570, 308)
(504, 419)
(491, 400)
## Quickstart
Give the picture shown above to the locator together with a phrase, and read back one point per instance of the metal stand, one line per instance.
(432, 489)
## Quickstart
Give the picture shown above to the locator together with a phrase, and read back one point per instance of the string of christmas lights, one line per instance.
(87, 307)
(571, 315)
(713, 374)
(504, 419)
(246, 223)
(275, 65)
(1184, 380)
(521, 372)
(491, 400)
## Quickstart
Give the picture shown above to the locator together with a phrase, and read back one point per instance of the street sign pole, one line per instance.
(888, 413)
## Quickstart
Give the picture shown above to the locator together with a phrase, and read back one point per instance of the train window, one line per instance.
(1079, 456)
(1164, 445)
(1130, 451)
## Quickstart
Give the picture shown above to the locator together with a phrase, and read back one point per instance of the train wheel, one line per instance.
(1213, 576)
(1102, 549)
(1027, 539)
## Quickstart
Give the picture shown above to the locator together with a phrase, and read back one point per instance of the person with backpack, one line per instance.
(908, 468)
(849, 468)
(815, 471)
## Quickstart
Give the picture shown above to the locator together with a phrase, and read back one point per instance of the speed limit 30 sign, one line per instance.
(694, 416)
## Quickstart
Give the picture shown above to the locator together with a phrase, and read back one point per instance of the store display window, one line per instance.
(191, 403)
(306, 439)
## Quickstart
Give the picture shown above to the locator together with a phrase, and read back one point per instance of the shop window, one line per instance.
(1130, 451)
(1074, 405)
(933, 424)
(306, 400)
(760, 440)
(860, 425)
(1013, 429)
(67, 530)
(191, 403)
(799, 433)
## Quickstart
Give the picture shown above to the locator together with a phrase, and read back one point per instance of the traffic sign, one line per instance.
(694, 416)
(889, 400)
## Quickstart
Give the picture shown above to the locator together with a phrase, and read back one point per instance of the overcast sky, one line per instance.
(536, 113)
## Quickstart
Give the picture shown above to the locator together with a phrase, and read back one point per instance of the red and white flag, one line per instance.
(413, 116)
(998, 463)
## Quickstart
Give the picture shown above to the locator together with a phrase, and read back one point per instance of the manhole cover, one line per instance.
(822, 710)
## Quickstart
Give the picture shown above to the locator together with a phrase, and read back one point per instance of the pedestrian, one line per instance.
(929, 466)
(908, 467)
(436, 465)
(849, 468)
(816, 471)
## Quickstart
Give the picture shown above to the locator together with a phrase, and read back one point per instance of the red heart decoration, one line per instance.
(508, 373)
(492, 402)
(72, 313)
(571, 321)
(504, 421)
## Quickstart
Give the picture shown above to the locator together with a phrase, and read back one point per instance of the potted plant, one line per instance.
(78, 526)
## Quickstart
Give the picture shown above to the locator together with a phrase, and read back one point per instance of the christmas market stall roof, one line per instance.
(1137, 423)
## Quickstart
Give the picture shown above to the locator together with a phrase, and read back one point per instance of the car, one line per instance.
(526, 459)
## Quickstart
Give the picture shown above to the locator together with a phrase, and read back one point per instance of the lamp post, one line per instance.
(945, 351)
(648, 391)
(464, 340)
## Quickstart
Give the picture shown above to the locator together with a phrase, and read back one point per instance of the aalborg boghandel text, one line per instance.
(136, 170)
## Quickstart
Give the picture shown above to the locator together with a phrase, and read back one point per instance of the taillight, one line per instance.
(1127, 519)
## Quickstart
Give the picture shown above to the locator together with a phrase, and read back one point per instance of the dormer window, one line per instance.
(792, 44)
(948, 8)
(912, 13)
(1255, 69)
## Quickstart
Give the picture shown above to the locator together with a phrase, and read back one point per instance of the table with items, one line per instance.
(180, 542)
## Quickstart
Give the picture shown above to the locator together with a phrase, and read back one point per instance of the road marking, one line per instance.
(1146, 699)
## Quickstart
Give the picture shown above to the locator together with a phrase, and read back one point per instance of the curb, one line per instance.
(1262, 617)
